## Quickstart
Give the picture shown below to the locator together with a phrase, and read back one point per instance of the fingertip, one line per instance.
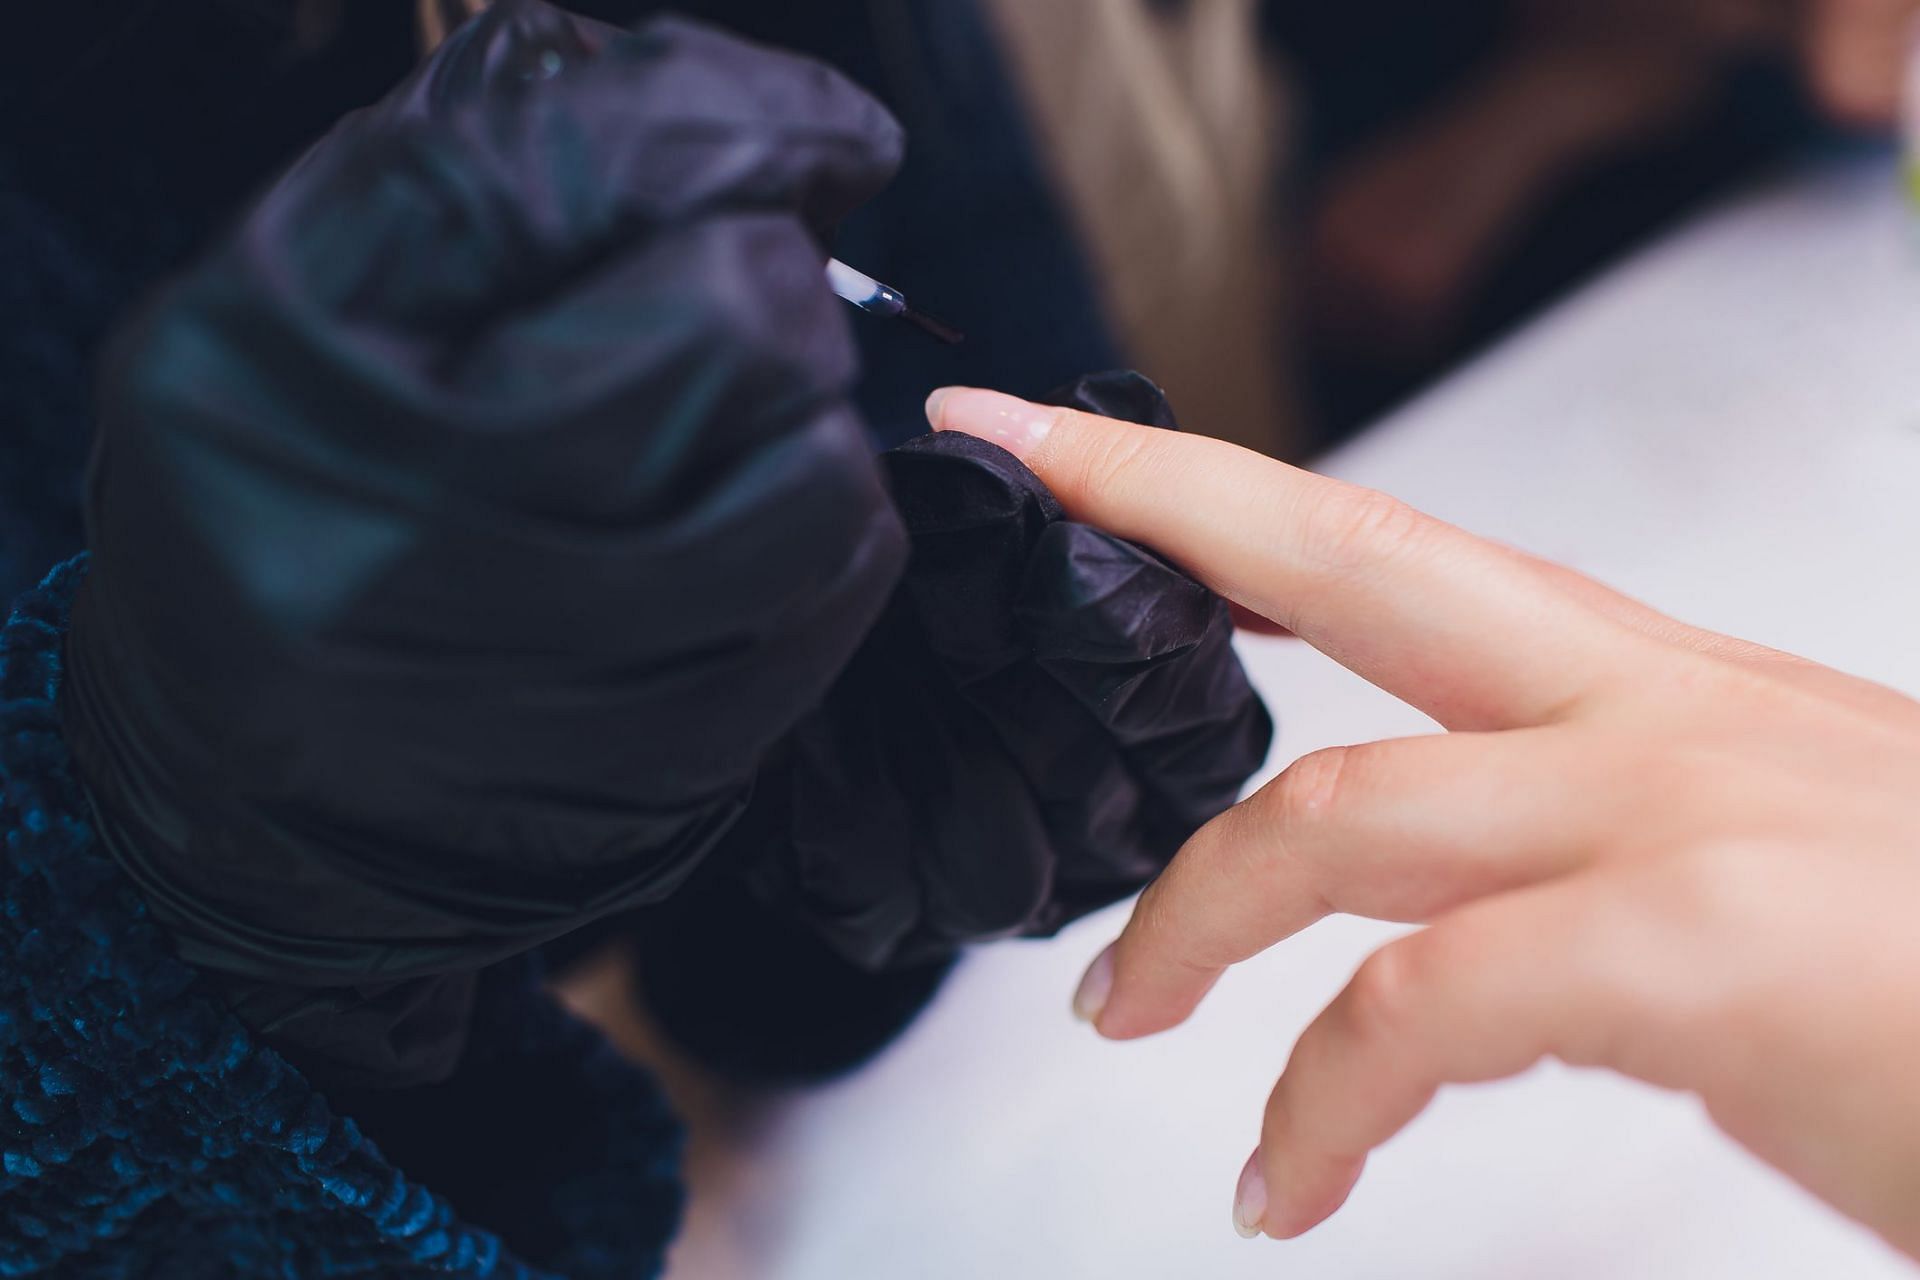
(1303, 1191)
(1120, 1021)
(1008, 421)
(1096, 986)
(936, 416)
(1119, 1028)
(1141, 1003)
(1250, 1199)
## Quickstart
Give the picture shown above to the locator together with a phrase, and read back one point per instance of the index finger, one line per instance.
(1434, 615)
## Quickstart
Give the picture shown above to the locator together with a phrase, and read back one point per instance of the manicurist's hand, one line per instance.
(1642, 846)
(470, 523)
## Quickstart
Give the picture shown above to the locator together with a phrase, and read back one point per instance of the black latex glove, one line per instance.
(468, 527)
(1041, 718)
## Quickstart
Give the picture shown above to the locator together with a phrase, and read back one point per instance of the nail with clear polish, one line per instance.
(1091, 997)
(1008, 421)
(1250, 1199)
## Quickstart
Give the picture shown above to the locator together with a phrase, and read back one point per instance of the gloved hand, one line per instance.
(1041, 718)
(469, 525)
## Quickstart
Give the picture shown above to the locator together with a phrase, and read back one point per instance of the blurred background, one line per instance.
(1292, 214)
(1295, 215)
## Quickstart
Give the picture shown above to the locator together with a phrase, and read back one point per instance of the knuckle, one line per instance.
(1155, 923)
(1310, 788)
(1385, 993)
(1356, 527)
(1680, 917)
(1106, 464)
(1712, 884)
(1271, 836)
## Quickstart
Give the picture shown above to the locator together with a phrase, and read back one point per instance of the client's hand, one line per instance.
(1644, 847)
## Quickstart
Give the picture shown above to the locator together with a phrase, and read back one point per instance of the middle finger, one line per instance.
(1399, 830)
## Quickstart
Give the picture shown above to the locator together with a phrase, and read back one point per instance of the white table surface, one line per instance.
(1728, 427)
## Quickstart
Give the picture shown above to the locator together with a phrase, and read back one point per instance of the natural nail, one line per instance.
(934, 403)
(1091, 997)
(1008, 421)
(1250, 1199)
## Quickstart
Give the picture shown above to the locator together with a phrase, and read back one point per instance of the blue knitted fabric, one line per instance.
(144, 1132)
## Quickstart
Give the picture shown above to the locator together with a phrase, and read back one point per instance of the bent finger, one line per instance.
(1400, 830)
(1483, 995)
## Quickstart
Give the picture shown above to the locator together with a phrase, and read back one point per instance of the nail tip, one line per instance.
(1008, 421)
(934, 402)
(1096, 985)
(1250, 1200)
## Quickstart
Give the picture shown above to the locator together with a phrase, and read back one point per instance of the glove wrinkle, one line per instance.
(471, 524)
(484, 541)
(1060, 710)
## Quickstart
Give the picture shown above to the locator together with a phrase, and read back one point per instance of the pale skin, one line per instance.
(1640, 846)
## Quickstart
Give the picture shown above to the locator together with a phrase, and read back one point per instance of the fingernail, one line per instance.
(1097, 984)
(1250, 1199)
(1008, 421)
(934, 403)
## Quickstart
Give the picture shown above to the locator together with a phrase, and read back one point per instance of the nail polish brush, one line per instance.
(868, 294)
